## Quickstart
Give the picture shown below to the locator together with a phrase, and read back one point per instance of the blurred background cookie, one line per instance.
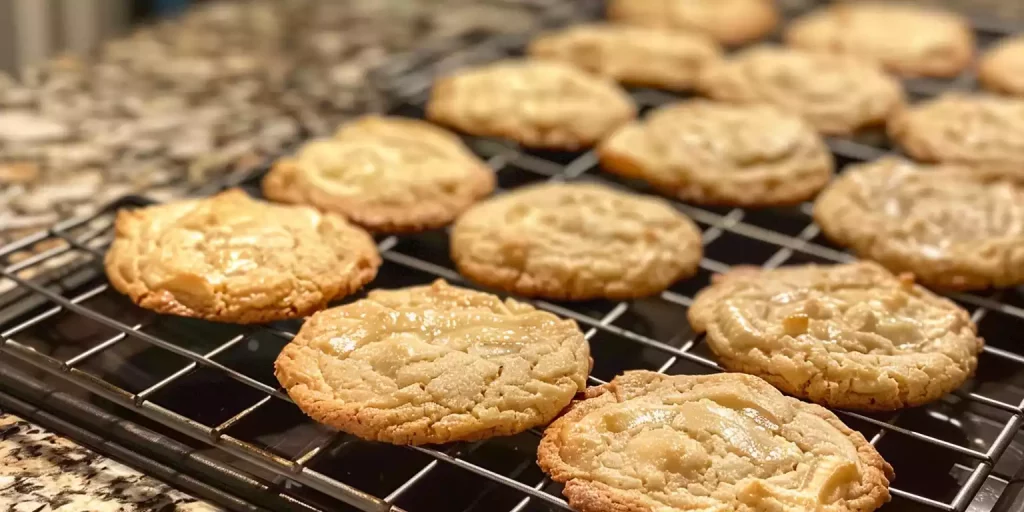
(719, 153)
(649, 57)
(730, 22)
(1002, 68)
(387, 174)
(952, 227)
(540, 104)
(838, 94)
(962, 128)
(910, 40)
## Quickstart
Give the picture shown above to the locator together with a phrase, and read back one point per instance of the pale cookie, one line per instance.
(646, 57)
(718, 153)
(387, 174)
(434, 364)
(952, 227)
(726, 442)
(730, 22)
(540, 104)
(1002, 68)
(231, 258)
(961, 128)
(850, 336)
(906, 39)
(837, 94)
(575, 242)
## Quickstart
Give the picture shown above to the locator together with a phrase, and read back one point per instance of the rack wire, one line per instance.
(969, 441)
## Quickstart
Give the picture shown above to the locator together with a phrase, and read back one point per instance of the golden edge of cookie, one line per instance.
(554, 138)
(995, 75)
(527, 285)
(785, 193)
(590, 496)
(842, 222)
(280, 185)
(164, 302)
(362, 422)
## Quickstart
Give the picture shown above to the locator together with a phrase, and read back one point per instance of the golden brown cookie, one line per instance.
(719, 153)
(1002, 68)
(952, 227)
(434, 364)
(730, 22)
(726, 442)
(850, 336)
(973, 129)
(907, 39)
(575, 241)
(387, 174)
(647, 57)
(231, 258)
(541, 104)
(837, 94)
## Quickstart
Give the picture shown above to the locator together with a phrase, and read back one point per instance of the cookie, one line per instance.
(434, 364)
(386, 174)
(973, 129)
(718, 153)
(837, 94)
(952, 227)
(906, 39)
(730, 22)
(1002, 68)
(575, 241)
(849, 336)
(231, 258)
(539, 104)
(726, 442)
(639, 56)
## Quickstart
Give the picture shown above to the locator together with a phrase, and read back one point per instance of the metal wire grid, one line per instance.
(509, 162)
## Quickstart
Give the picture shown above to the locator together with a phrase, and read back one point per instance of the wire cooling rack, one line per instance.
(214, 384)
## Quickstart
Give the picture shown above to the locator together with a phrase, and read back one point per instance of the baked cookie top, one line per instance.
(906, 39)
(231, 258)
(962, 128)
(837, 94)
(952, 227)
(642, 56)
(647, 441)
(387, 174)
(730, 22)
(1002, 68)
(575, 241)
(542, 104)
(851, 336)
(434, 364)
(719, 153)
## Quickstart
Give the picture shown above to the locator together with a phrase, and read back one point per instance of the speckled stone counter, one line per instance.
(43, 472)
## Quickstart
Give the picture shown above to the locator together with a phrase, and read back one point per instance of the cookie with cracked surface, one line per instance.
(539, 104)
(231, 258)
(575, 241)
(839, 95)
(387, 174)
(973, 129)
(1002, 68)
(647, 441)
(851, 336)
(730, 22)
(640, 56)
(906, 39)
(952, 227)
(719, 153)
(434, 364)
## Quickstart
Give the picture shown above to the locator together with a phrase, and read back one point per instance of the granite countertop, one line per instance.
(43, 472)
